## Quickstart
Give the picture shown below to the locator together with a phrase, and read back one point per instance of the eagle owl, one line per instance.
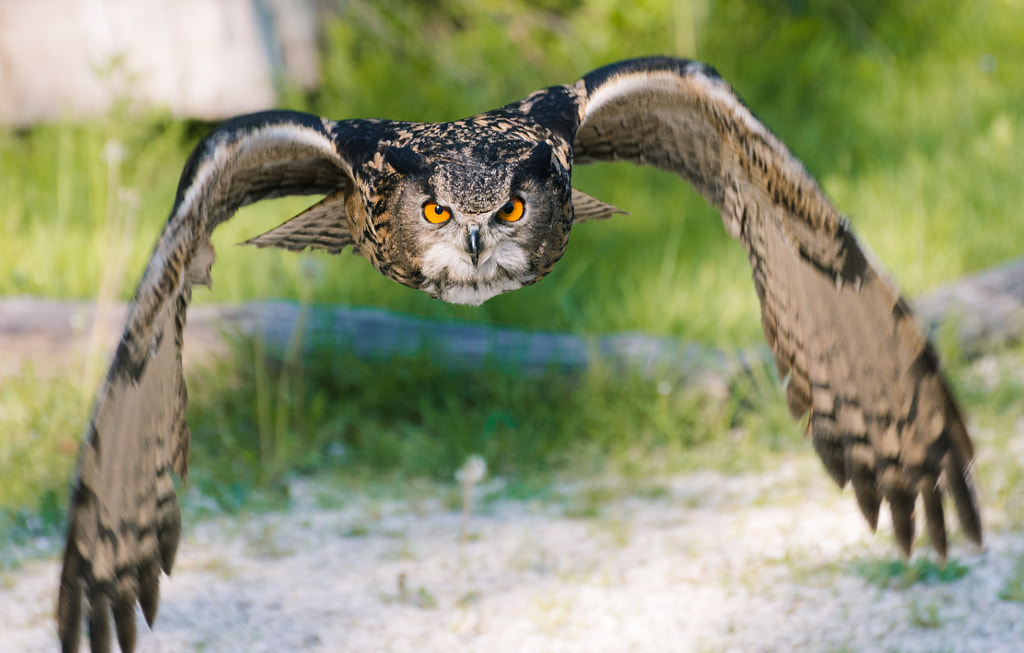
(469, 209)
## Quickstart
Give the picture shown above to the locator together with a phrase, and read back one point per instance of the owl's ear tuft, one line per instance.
(405, 161)
(541, 159)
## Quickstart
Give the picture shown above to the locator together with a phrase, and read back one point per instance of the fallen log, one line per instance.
(985, 311)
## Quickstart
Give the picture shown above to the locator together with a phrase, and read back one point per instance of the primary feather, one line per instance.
(881, 415)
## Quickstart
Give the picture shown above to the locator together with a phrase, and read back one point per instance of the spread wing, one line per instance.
(124, 522)
(881, 415)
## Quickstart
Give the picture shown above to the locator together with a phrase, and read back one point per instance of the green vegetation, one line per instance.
(905, 113)
(908, 113)
(901, 575)
(1013, 588)
(406, 420)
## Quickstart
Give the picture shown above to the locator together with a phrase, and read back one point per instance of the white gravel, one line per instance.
(759, 562)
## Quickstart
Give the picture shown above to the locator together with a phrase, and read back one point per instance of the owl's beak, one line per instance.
(473, 243)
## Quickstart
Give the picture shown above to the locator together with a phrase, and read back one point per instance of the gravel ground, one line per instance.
(758, 562)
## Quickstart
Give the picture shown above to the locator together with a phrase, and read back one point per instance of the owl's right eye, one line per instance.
(434, 213)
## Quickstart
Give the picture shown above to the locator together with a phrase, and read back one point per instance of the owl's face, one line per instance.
(452, 223)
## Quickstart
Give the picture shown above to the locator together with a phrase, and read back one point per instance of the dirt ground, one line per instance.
(765, 562)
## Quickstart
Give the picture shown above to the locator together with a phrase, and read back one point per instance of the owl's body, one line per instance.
(470, 209)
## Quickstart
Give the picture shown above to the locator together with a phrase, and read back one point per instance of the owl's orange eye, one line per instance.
(512, 211)
(435, 213)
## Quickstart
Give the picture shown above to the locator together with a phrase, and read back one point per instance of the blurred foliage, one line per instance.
(909, 114)
(420, 418)
(40, 422)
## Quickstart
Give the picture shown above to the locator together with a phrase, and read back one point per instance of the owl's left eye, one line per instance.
(434, 213)
(512, 211)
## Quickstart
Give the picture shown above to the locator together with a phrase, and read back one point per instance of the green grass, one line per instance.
(897, 574)
(905, 112)
(1013, 587)
(42, 421)
(254, 420)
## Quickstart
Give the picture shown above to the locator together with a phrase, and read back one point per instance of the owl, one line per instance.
(470, 209)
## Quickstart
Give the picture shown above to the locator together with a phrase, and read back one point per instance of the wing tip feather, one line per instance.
(170, 537)
(99, 622)
(901, 506)
(69, 599)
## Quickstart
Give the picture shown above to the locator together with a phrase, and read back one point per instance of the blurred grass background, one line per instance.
(909, 114)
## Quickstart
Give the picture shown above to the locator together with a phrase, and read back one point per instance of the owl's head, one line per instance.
(452, 222)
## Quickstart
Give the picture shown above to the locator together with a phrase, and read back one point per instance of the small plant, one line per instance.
(264, 543)
(469, 475)
(402, 551)
(590, 503)
(1013, 588)
(419, 597)
(924, 615)
(357, 529)
(896, 574)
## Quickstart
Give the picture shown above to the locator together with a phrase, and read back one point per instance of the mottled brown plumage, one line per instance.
(481, 206)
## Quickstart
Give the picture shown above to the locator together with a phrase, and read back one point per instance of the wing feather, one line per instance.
(318, 227)
(585, 207)
(881, 415)
(124, 522)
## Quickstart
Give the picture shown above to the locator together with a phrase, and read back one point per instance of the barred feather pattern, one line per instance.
(882, 417)
(125, 523)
